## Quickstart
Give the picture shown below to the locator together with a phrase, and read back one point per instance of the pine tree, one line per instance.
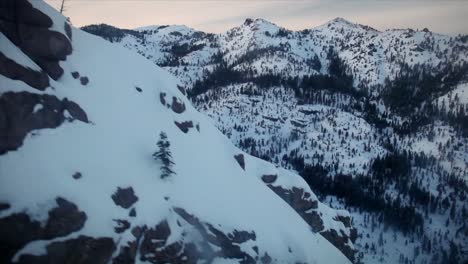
(164, 155)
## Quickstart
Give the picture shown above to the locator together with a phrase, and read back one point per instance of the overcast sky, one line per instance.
(443, 16)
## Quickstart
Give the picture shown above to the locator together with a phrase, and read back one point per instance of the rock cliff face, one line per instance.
(77, 182)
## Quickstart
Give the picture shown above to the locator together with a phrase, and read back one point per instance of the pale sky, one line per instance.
(442, 16)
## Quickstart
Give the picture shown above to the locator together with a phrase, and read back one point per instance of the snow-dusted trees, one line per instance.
(164, 155)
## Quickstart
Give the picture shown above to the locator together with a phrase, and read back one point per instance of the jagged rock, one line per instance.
(84, 80)
(18, 229)
(63, 220)
(184, 126)
(269, 178)
(338, 242)
(28, 28)
(122, 225)
(124, 197)
(75, 75)
(10, 69)
(77, 175)
(177, 105)
(240, 159)
(18, 118)
(80, 250)
(138, 89)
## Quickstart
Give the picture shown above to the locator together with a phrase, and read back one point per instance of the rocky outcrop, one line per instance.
(240, 159)
(269, 178)
(80, 250)
(23, 112)
(178, 105)
(10, 69)
(301, 201)
(28, 29)
(18, 229)
(124, 197)
(184, 126)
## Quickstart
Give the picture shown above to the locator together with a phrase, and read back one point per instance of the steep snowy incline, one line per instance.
(80, 184)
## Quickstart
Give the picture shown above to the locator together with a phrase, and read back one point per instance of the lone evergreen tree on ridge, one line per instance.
(164, 155)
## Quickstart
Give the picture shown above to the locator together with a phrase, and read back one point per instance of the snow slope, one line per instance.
(113, 150)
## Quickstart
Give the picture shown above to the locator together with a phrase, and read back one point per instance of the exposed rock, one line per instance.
(18, 118)
(75, 110)
(198, 127)
(177, 105)
(77, 175)
(19, 229)
(344, 219)
(162, 98)
(132, 212)
(124, 197)
(84, 80)
(181, 89)
(16, 231)
(138, 89)
(240, 159)
(298, 124)
(63, 220)
(10, 69)
(338, 242)
(184, 126)
(68, 30)
(122, 225)
(269, 178)
(127, 253)
(28, 28)
(75, 75)
(81, 250)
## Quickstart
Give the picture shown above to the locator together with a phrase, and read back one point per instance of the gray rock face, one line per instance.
(18, 118)
(28, 28)
(10, 69)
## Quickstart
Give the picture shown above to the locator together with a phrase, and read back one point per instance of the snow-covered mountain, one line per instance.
(79, 123)
(375, 122)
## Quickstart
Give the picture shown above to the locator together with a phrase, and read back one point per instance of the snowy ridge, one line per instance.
(93, 170)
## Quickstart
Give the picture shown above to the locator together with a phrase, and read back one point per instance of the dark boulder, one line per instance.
(162, 98)
(18, 116)
(177, 105)
(132, 212)
(81, 250)
(12, 70)
(124, 197)
(84, 80)
(184, 126)
(75, 75)
(138, 89)
(77, 175)
(240, 159)
(4, 206)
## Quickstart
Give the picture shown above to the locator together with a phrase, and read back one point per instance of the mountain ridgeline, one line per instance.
(375, 122)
